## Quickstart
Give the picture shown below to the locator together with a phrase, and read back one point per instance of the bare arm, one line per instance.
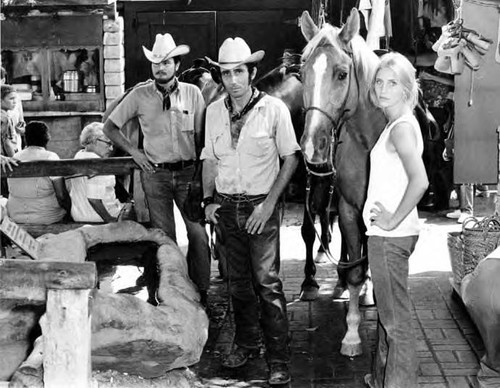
(116, 136)
(62, 195)
(405, 143)
(209, 174)
(260, 215)
(100, 209)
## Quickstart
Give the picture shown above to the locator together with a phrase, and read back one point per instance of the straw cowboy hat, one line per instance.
(164, 48)
(235, 52)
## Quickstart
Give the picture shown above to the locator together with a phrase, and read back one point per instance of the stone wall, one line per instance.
(114, 59)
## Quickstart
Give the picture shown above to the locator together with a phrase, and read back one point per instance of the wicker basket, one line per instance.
(476, 241)
(480, 238)
(456, 249)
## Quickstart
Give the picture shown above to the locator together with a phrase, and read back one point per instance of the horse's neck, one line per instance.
(365, 125)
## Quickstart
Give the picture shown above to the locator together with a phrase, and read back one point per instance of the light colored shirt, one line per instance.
(253, 166)
(33, 200)
(168, 134)
(99, 187)
(388, 181)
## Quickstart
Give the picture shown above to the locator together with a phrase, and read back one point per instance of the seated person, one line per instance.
(38, 200)
(94, 199)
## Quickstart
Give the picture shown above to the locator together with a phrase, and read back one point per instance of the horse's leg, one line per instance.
(309, 288)
(366, 296)
(350, 223)
(341, 291)
(326, 237)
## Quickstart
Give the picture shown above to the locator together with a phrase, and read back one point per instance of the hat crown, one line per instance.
(163, 45)
(234, 51)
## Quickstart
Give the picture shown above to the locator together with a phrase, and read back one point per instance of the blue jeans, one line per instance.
(253, 263)
(396, 363)
(161, 190)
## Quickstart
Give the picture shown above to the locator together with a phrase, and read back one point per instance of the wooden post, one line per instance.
(66, 327)
(66, 336)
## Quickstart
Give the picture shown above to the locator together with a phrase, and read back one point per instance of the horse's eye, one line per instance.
(342, 76)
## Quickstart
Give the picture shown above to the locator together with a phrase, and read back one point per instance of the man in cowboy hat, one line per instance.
(246, 134)
(170, 114)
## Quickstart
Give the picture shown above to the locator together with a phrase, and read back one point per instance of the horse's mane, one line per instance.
(364, 59)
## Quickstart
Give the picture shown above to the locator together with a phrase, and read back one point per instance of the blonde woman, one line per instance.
(397, 182)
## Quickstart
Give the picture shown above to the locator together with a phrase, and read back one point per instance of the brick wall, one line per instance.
(114, 59)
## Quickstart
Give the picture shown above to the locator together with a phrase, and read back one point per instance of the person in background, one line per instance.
(40, 200)
(392, 222)
(94, 199)
(246, 134)
(170, 115)
(17, 114)
(10, 128)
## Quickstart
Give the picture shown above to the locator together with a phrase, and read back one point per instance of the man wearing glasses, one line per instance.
(170, 114)
(94, 199)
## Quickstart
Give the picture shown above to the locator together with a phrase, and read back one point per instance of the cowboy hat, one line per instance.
(235, 52)
(164, 48)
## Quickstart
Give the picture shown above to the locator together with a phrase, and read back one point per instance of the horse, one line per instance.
(284, 83)
(341, 127)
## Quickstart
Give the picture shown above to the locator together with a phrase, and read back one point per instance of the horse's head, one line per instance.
(334, 74)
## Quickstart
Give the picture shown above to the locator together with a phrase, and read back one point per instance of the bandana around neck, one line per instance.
(235, 116)
(166, 92)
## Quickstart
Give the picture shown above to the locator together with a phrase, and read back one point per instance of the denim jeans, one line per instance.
(253, 264)
(161, 189)
(396, 363)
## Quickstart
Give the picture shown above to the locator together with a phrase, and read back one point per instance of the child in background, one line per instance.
(11, 127)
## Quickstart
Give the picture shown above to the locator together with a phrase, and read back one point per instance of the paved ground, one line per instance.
(449, 346)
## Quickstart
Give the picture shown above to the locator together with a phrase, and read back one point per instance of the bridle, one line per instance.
(335, 135)
(335, 129)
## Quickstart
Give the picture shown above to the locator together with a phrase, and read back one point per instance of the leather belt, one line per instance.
(176, 166)
(242, 197)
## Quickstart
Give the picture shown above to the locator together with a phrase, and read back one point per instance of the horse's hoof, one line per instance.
(308, 294)
(351, 350)
(340, 293)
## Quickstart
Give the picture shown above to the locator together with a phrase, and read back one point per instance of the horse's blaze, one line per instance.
(319, 68)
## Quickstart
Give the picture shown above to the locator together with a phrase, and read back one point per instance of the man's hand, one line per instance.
(259, 217)
(142, 161)
(211, 213)
(8, 163)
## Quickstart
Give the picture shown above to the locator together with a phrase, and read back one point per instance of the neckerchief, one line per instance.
(239, 119)
(166, 92)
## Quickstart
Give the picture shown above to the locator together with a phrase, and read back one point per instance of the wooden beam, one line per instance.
(74, 167)
(67, 340)
(29, 280)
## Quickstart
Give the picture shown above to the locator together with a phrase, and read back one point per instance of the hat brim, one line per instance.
(178, 51)
(254, 58)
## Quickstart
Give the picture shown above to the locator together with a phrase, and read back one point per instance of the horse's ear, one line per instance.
(351, 27)
(307, 26)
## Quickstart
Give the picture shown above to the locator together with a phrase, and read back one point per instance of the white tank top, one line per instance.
(388, 181)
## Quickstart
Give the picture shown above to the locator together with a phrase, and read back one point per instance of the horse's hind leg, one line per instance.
(309, 288)
(341, 291)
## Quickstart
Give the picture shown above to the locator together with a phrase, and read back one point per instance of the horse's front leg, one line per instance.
(309, 287)
(326, 238)
(351, 344)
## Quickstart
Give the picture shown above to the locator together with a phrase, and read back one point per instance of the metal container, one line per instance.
(71, 81)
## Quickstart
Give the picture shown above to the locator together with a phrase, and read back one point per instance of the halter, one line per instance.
(335, 130)
(335, 134)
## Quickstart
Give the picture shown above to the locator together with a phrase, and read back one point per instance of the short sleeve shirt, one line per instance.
(253, 166)
(168, 134)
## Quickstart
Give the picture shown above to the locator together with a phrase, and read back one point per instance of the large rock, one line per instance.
(128, 334)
